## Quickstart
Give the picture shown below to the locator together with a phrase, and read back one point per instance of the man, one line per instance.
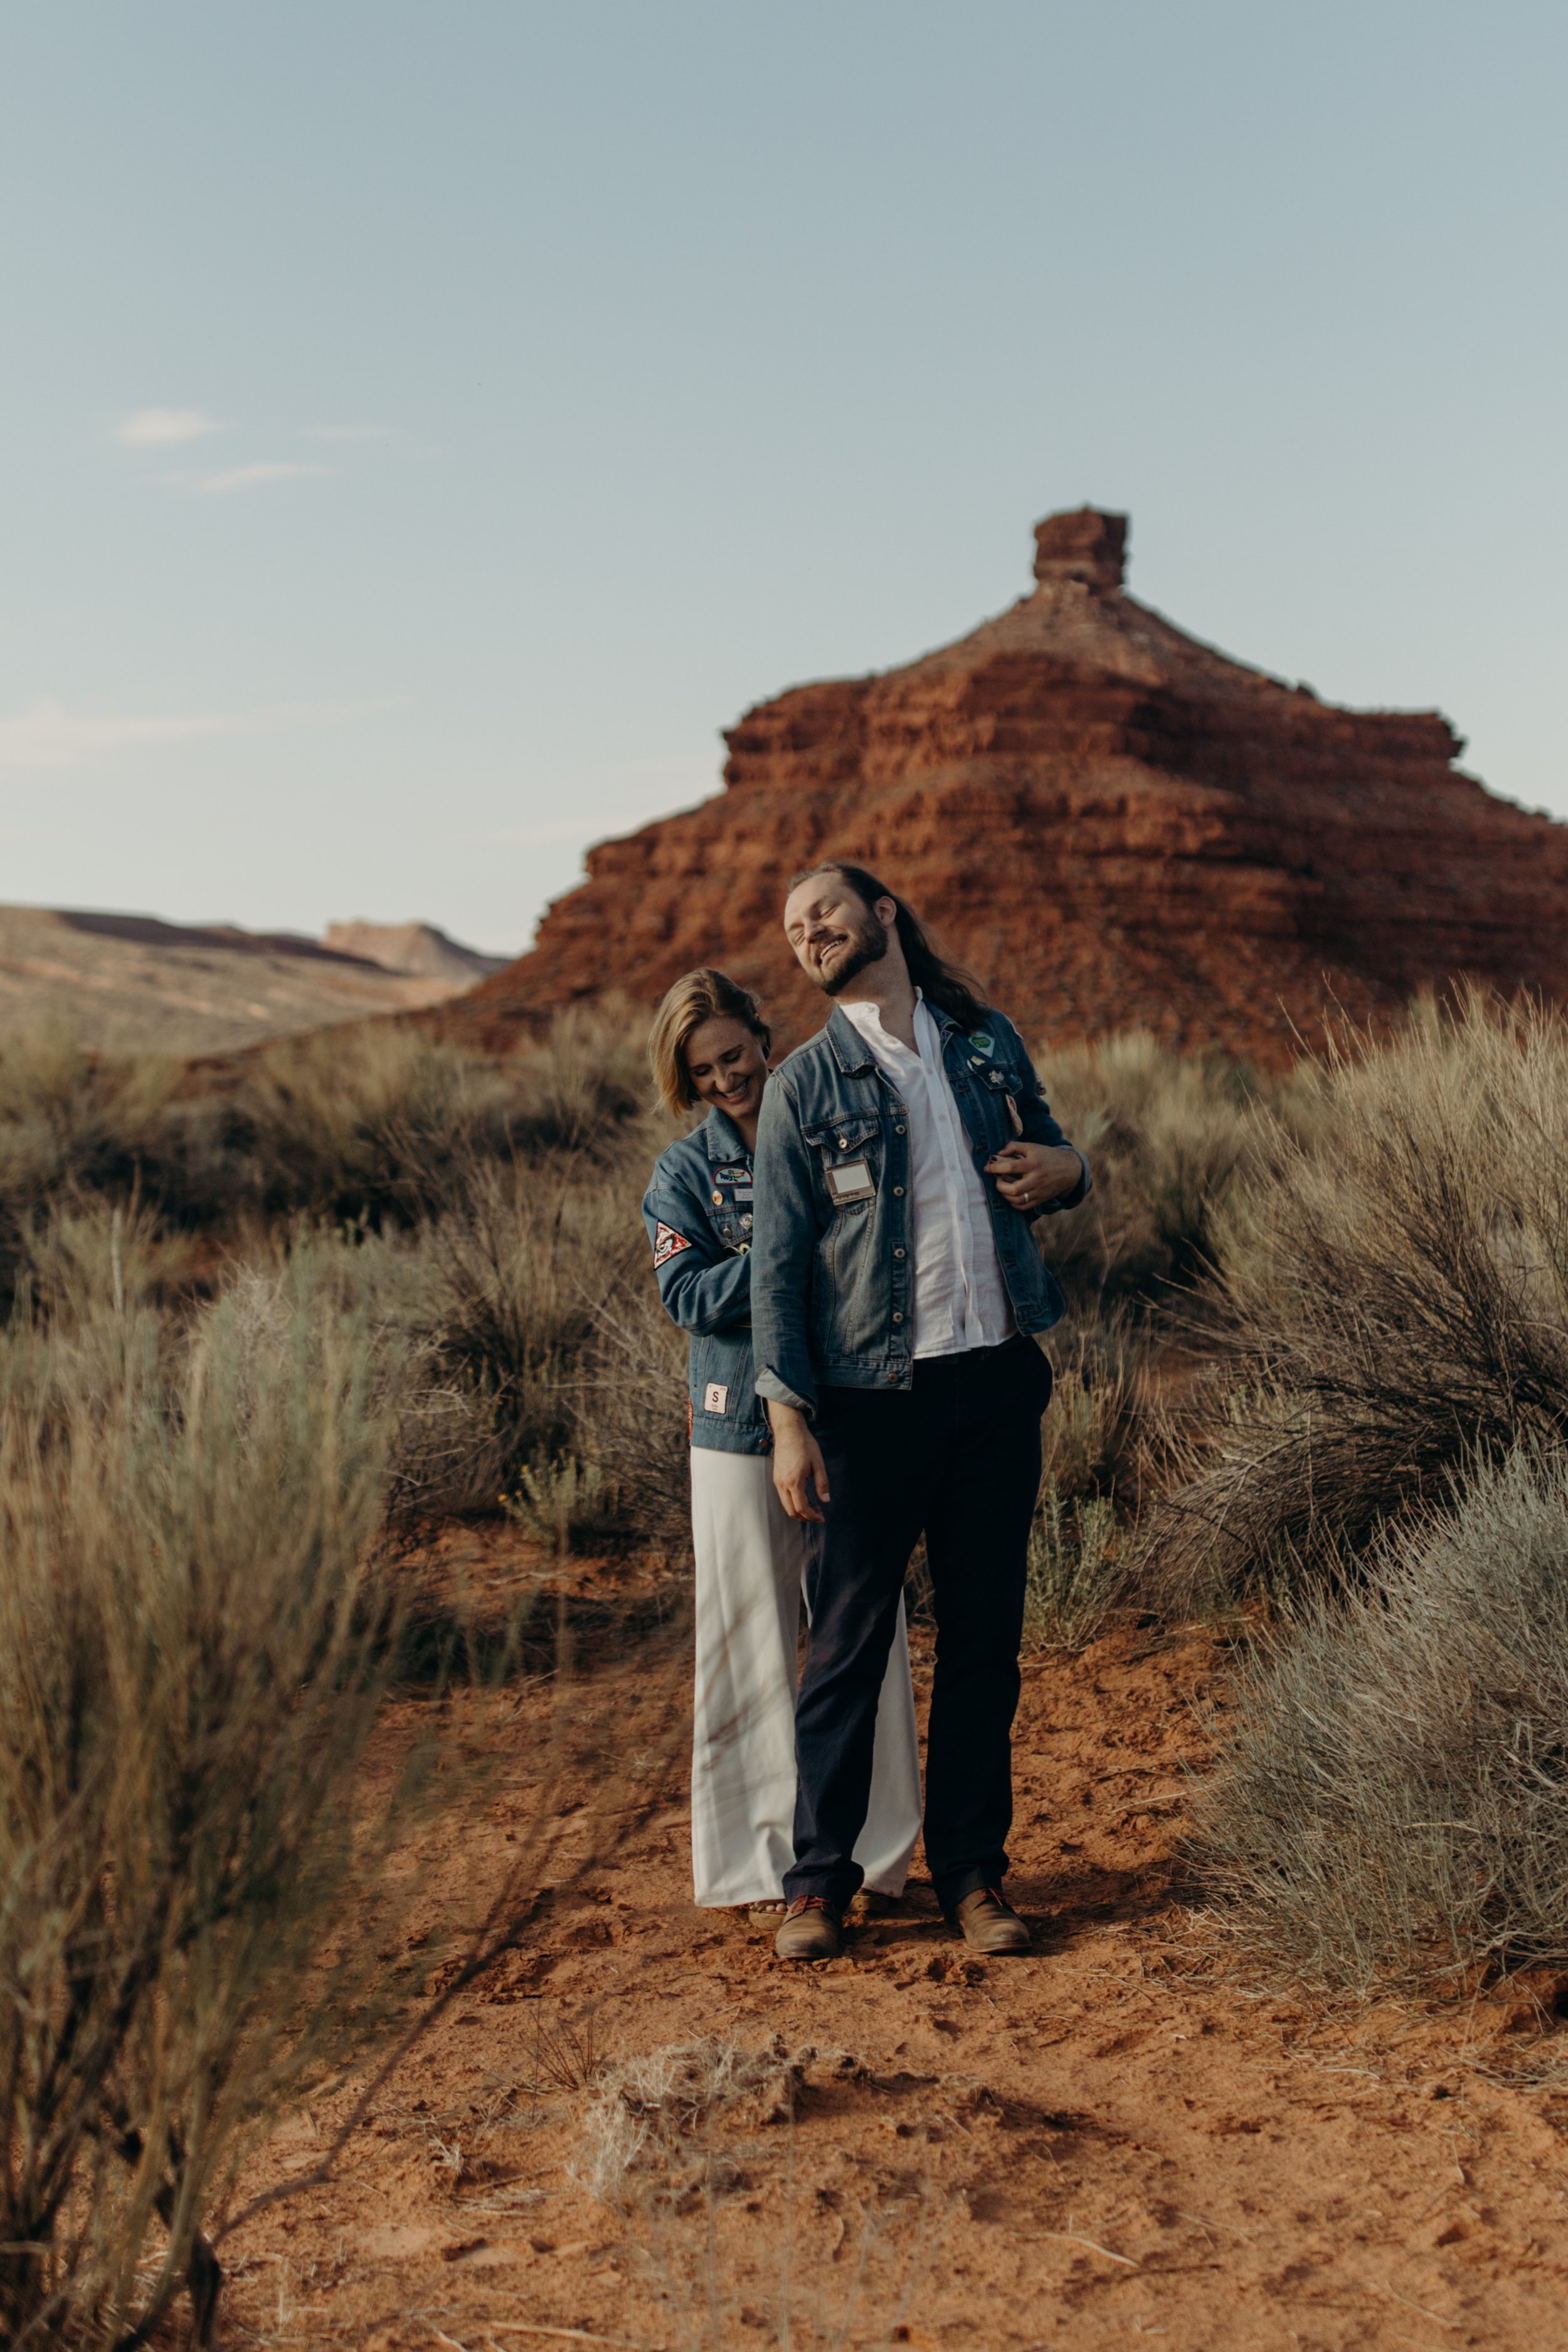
(896, 1292)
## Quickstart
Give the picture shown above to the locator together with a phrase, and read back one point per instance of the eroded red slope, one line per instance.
(1114, 823)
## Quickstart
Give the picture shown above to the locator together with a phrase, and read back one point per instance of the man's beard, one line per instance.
(869, 946)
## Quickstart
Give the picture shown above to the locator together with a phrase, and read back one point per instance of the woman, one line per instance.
(710, 1046)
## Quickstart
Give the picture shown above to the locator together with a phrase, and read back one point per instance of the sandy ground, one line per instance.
(1120, 2137)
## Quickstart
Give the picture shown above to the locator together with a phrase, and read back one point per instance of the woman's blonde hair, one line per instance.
(705, 995)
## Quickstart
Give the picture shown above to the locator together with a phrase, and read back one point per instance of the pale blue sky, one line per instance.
(576, 375)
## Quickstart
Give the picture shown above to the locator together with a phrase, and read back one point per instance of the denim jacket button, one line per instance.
(900, 1251)
(899, 1128)
(898, 1315)
(898, 1192)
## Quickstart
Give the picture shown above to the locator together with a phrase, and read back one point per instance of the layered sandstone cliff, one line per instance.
(1112, 824)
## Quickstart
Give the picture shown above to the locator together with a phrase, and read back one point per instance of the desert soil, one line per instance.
(1124, 2136)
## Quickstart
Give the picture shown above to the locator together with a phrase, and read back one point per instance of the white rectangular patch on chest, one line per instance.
(716, 1398)
(850, 1182)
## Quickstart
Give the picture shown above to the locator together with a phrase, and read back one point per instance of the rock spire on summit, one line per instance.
(1116, 825)
(1086, 544)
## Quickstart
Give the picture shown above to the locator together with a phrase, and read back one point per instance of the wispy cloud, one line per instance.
(159, 428)
(251, 476)
(168, 428)
(47, 735)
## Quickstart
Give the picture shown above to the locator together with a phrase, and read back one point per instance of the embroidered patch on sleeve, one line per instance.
(668, 1244)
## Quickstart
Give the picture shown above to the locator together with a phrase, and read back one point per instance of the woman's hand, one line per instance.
(798, 1466)
(1029, 1175)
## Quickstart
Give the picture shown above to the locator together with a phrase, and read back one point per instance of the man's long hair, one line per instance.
(947, 986)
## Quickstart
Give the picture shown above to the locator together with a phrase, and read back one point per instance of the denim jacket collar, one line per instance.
(721, 1138)
(850, 1050)
(854, 1056)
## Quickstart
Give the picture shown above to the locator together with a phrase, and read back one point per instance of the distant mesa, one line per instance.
(1116, 825)
(418, 948)
(135, 981)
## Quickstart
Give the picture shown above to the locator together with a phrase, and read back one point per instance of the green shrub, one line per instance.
(478, 1214)
(1072, 1577)
(1395, 1305)
(354, 1125)
(193, 1646)
(1092, 1436)
(584, 1081)
(510, 1282)
(72, 1125)
(381, 1122)
(565, 1503)
(376, 1125)
(1166, 1134)
(1392, 1797)
(632, 1410)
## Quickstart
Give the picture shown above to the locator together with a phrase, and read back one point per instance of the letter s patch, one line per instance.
(668, 1244)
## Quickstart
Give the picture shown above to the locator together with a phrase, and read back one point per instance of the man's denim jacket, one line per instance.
(832, 1269)
(699, 1210)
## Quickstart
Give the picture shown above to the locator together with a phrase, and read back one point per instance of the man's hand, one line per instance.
(798, 1465)
(1029, 1175)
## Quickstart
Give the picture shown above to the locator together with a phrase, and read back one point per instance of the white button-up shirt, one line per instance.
(960, 1299)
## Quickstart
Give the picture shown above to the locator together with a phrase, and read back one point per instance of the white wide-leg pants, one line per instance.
(751, 1560)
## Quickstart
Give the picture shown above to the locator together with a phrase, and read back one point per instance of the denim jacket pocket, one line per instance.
(842, 1134)
(848, 1153)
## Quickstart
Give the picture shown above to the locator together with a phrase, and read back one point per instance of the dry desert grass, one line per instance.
(342, 1473)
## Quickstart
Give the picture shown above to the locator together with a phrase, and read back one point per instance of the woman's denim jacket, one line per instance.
(833, 1278)
(699, 1210)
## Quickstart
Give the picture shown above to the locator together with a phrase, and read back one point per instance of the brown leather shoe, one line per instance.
(988, 1925)
(812, 1930)
(871, 1905)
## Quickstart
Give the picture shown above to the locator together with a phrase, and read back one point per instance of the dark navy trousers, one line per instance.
(958, 1456)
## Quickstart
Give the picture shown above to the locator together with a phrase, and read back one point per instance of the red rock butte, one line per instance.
(1114, 826)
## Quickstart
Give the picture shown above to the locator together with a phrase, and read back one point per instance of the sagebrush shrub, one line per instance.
(193, 1649)
(1395, 1301)
(1092, 1434)
(1072, 1575)
(1166, 1134)
(1393, 1794)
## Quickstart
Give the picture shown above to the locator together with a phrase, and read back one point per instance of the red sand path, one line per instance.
(1120, 2137)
